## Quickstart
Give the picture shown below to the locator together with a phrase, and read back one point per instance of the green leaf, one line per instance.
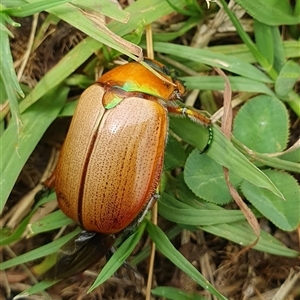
(108, 8)
(37, 288)
(226, 62)
(39, 252)
(25, 10)
(242, 234)
(97, 29)
(187, 198)
(15, 149)
(8, 75)
(175, 155)
(262, 125)
(195, 216)
(284, 214)
(268, 68)
(206, 179)
(280, 53)
(189, 131)
(264, 40)
(222, 151)
(271, 12)
(52, 221)
(288, 76)
(293, 156)
(164, 245)
(287, 49)
(167, 292)
(119, 257)
(237, 83)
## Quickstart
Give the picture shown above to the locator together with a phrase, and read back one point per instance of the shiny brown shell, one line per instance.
(111, 161)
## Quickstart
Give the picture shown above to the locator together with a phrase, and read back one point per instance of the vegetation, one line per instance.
(255, 44)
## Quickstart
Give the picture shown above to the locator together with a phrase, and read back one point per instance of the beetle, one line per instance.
(112, 158)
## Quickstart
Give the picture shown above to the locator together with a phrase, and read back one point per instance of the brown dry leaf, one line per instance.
(226, 129)
(100, 24)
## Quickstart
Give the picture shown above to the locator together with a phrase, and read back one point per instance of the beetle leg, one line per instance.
(47, 187)
(132, 226)
(148, 206)
(44, 192)
(196, 117)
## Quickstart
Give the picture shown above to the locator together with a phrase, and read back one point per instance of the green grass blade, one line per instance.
(216, 83)
(264, 40)
(15, 149)
(164, 245)
(119, 257)
(271, 12)
(52, 221)
(33, 8)
(284, 214)
(242, 234)
(284, 49)
(248, 42)
(226, 62)
(95, 29)
(39, 252)
(172, 293)
(196, 217)
(108, 8)
(37, 288)
(8, 75)
(280, 53)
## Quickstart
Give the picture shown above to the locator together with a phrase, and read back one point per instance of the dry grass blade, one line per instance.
(150, 54)
(100, 24)
(226, 129)
(226, 125)
(287, 286)
(29, 47)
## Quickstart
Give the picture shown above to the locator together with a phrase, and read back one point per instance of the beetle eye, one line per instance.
(153, 65)
(166, 70)
(157, 67)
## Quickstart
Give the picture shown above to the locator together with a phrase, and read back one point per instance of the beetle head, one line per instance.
(170, 75)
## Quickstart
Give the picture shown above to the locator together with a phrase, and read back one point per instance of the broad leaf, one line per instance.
(262, 124)
(284, 214)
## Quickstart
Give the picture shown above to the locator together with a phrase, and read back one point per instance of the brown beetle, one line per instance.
(112, 159)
